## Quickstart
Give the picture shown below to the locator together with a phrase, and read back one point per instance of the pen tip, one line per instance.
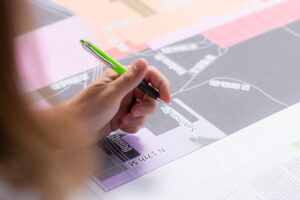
(162, 102)
(81, 41)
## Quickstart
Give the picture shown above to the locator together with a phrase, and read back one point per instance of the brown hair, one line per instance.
(31, 155)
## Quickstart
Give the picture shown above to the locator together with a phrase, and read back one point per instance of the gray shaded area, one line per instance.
(270, 63)
(164, 123)
(228, 109)
(54, 97)
(47, 12)
(294, 27)
(202, 140)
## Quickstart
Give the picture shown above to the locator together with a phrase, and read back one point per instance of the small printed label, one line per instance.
(202, 64)
(70, 81)
(182, 121)
(179, 48)
(229, 85)
(147, 157)
(115, 144)
(117, 25)
(116, 139)
(120, 45)
(172, 65)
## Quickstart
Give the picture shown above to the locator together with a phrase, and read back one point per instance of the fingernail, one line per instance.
(137, 68)
(138, 113)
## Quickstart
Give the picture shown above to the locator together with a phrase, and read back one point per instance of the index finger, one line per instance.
(160, 82)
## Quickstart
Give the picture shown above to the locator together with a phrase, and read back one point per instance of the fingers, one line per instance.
(144, 108)
(131, 124)
(160, 82)
(106, 77)
(131, 79)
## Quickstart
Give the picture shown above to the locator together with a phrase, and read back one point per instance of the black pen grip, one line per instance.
(147, 89)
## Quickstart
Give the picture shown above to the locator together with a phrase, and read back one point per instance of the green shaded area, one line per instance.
(297, 144)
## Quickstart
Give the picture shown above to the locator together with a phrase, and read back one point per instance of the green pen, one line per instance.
(117, 67)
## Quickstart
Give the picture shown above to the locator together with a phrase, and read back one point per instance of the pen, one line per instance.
(117, 67)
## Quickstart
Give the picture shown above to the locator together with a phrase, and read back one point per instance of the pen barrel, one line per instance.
(109, 61)
(147, 89)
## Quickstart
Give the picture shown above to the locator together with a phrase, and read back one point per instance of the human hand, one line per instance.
(104, 105)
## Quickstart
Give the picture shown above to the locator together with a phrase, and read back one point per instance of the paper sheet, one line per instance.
(223, 79)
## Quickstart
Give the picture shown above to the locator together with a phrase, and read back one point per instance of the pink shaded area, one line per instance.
(255, 24)
(215, 33)
(250, 28)
(117, 54)
(289, 10)
(295, 3)
(136, 48)
(275, 16)
(175, 36)
(262, 21)
(53, 53)
(233, 32)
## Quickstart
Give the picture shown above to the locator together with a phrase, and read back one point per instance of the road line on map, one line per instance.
(237, 80)
(187, 108)
(193, 87)
(257, 88)
(297, 35)
(61, 91)
(189, 81)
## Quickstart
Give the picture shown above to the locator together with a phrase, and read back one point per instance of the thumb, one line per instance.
(130, 79)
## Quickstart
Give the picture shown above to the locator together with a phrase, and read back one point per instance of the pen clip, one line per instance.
(97, 55)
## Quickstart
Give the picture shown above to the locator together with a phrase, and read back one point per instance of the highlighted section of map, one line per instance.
(141, 21)
(257, 23)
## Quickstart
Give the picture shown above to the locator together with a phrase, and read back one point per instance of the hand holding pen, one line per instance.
(120, 69)
(104, 105)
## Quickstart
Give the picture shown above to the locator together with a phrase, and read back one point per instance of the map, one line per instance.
(231, 63)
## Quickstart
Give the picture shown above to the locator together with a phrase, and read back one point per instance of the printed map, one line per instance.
(231, 63)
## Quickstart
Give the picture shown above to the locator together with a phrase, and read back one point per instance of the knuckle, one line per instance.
(127, 77)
